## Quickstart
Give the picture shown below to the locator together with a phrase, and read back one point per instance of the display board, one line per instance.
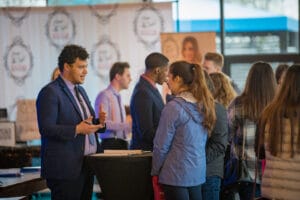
(32, 38)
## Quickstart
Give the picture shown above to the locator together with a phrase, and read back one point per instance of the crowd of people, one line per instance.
(205, 121)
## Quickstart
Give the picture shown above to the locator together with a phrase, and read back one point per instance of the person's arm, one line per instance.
(105, 101)
(55, 120)
(259, 140)
(233, 121)
(217, 142)
(164, 136)
(47, 106)
(143, 106)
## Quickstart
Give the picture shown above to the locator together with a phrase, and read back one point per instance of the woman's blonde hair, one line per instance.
(224, 92)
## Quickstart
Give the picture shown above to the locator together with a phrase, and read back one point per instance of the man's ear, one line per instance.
(177, 79)
(157, 70)
(117, 77)
(66, 67)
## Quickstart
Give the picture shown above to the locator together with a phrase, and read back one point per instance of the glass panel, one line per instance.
(88, 2)
(239, 72)
(22, 3)
(261, 26)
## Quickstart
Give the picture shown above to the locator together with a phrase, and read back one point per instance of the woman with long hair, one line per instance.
(243, 113)
(179, 144)
(279, 133)
(224, 92)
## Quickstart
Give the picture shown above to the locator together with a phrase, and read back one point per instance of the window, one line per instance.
(22, 3)
(261, 26)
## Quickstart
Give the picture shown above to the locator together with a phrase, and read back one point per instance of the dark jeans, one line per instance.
(211, 188)
(244, 189)
(182, 193)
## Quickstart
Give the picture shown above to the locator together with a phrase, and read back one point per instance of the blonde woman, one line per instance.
(224, 92)
(55, 73)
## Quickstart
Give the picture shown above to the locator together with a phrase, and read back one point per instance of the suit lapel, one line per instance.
(154, 91)
(68, 93)
(86, 99)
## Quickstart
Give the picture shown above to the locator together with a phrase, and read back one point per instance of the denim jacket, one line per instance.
(179, 145)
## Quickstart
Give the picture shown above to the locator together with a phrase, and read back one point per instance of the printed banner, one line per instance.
(32, 38)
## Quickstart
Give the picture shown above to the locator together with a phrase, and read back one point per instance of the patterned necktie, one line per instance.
(85, 116)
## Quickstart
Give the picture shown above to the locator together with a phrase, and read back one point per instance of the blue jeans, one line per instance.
(211, 188)
(182, 193)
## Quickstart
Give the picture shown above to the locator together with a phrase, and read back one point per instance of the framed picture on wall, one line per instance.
(7, 134)
(190, 47)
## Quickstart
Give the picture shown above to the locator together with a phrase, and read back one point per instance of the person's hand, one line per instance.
(102, 115)
(166, 89)
(86, 126)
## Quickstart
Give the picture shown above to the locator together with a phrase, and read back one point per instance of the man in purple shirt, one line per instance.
(117, 129)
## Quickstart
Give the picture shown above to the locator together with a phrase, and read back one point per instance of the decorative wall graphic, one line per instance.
(105, 13)
(60, 28)
(18, 61)
(17, 17)
(44, 31)
(170, 48)
(103, 55)
(148, 24)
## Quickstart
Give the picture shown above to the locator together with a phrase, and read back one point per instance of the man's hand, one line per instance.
(102, 115)
(86, 126)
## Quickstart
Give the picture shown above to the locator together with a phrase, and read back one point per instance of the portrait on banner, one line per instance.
(190, 47)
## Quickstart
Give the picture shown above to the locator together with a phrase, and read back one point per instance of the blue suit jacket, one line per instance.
(145, 108)
(62, 152)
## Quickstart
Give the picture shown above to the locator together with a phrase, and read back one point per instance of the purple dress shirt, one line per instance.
(88, 148)
(116, 125)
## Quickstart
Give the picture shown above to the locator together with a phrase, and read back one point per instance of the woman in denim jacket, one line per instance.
(179, 144)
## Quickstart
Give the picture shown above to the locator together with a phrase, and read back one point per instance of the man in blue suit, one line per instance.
(147, 103)
(67, 127)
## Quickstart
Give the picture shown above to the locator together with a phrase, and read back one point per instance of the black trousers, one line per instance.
(80, 188)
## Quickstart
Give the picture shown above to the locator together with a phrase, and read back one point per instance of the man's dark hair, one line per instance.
(117, 68)
(154, 60)
(69, 55)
